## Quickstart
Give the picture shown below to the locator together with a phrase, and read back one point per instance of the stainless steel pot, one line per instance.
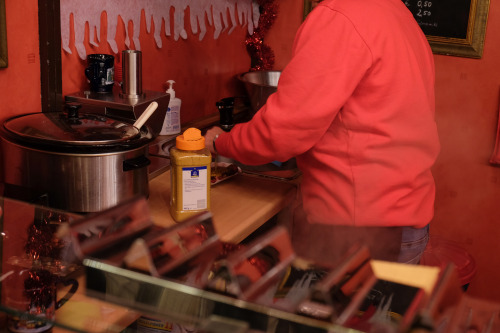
(259, 85)
(84, 162)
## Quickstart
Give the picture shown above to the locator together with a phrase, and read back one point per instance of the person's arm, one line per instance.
(210, 136)
(329, 59)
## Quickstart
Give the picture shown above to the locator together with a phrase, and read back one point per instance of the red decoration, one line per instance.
(262, 55)
(41, 241)
(38, 289)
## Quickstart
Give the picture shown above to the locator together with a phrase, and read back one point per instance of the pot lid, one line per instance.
(70, 128)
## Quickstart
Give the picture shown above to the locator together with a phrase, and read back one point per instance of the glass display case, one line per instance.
(116, 271)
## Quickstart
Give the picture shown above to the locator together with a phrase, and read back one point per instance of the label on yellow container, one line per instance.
(194, 188)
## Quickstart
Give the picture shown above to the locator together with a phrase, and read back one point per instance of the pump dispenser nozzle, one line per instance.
(170, 89)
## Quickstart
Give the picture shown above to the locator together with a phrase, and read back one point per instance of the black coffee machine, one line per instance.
(126, 102)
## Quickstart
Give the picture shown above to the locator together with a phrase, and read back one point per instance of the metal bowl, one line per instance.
(259, 86)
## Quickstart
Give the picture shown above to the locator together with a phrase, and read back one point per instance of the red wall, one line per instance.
(204, 70)
(467, 90)
(20, 81)
(468, 187)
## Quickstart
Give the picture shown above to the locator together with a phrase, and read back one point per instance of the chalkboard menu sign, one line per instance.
(453, 27)
(445, 18)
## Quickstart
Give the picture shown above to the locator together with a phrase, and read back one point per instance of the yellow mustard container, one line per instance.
(190, 175)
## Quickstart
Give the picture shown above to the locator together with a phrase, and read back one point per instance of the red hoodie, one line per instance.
(355, 106)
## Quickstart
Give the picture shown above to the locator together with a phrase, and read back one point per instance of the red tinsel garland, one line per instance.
(262, 55)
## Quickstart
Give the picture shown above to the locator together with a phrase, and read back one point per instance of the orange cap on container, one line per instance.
(191, 139)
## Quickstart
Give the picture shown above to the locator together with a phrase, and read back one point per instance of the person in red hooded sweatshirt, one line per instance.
(355, 107)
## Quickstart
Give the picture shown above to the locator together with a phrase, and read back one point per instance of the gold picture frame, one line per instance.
(307, 7)
(3, 36)
(471, 46)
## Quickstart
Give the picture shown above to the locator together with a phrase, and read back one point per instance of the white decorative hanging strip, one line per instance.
(223, 15)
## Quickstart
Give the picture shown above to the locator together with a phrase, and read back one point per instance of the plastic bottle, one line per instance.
(172, 122)
(190, 175)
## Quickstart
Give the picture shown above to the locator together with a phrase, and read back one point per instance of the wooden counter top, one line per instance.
(239, 205)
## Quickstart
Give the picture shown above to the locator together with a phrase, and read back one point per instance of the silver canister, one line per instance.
(132, 74)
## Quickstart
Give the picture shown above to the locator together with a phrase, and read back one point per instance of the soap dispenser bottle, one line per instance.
(172, 122)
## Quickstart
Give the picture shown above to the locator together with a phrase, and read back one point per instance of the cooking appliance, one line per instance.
(117, 106)
(85, 162)
(129, 109)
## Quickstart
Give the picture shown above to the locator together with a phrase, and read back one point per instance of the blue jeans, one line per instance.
(413, 243)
